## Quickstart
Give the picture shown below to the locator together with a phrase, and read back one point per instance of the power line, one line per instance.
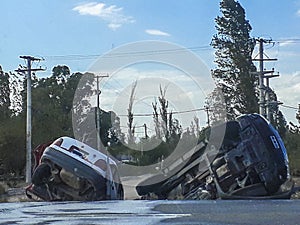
(126, 54)
(150, 52)
(289, 107)
(175, 112)
(295, 40)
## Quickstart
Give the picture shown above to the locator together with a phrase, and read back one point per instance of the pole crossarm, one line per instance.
(271, 76)
(264, 59)
(26, 70)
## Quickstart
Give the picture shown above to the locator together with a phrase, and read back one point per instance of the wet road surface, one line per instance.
(153, 212)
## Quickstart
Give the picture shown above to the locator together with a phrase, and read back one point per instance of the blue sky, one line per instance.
(58, 30)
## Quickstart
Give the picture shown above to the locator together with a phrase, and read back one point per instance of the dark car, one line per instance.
(251, 162)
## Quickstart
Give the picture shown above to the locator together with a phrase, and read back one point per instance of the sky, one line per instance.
(76, 33)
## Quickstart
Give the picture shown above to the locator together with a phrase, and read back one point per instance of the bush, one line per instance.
(2, 189)
(12, 147)
(292, 144)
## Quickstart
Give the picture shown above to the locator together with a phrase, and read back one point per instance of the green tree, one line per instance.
(46, 113)
(216, 107)
(83, 89)
(12, 131)
(52, 103)
(12, 145)
(5, 111)
(131, 127)
(233, 58)
(16, 90)
(85, 116)
(292, 144)
(166, 127)
(277, 119)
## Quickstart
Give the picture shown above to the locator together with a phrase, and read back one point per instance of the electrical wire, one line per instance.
(292, 40)
(175, 112)
(289, 107)
(125, 54)
(150, 52)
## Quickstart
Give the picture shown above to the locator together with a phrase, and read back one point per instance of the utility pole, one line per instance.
(145, 130)
(111, 190)
(206, 107)
(28, 71)
(298, 114)
(98, 112)
(264, 75)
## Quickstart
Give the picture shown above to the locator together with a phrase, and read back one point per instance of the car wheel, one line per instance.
(41, 174)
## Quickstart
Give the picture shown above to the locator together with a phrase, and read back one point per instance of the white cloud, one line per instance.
(112, 14)
(286, 43)
(157, 32)
(298, 12)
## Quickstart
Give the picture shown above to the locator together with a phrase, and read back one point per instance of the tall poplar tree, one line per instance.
(233, 58)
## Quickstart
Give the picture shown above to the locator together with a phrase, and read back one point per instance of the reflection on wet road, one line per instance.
(112, 212)
(152, 212)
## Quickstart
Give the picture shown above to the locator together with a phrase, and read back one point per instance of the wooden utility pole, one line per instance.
(298, 114)
(111, 190)
(263, 80)
(206, 107)
(98, 113)
(145, 130)
(28, 71)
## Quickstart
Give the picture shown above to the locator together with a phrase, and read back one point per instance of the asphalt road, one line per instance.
(153, 212)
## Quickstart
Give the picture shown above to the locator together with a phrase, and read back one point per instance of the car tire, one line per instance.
(41, 174)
